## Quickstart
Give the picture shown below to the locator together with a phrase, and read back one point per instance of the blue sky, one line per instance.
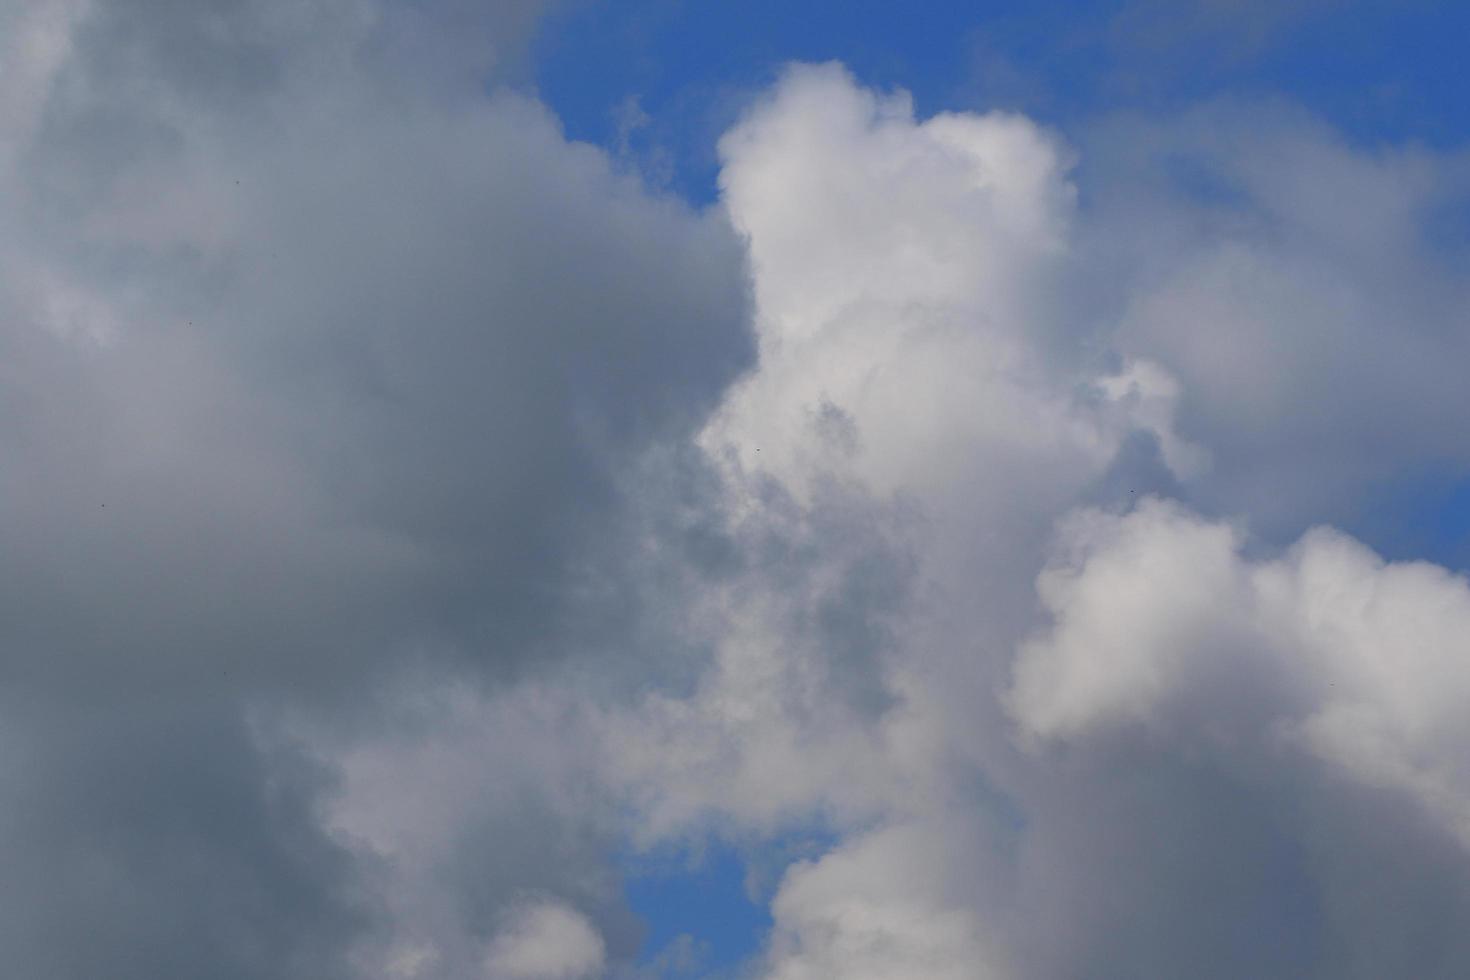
(705, 896)
(1379, 71)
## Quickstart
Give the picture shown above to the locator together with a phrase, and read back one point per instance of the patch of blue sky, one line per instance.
(1423, 518)
(706, 909)
(668, 76)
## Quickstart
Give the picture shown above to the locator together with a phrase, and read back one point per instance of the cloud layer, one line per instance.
(406, 514)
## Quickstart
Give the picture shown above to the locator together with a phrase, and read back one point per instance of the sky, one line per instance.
(634, 489)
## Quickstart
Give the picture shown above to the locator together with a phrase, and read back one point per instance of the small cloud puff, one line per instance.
(545, 940)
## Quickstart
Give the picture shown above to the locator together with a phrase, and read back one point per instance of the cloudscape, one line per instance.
(633, 489)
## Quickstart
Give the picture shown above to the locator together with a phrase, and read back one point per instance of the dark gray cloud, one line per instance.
(156, 839)
(1144, 860)
(296, 391)
(320, 366)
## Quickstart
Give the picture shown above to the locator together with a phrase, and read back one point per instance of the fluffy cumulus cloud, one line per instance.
(1123, 725)
(1366, 658)
(406, 514)
(545, 941)
(882, 905)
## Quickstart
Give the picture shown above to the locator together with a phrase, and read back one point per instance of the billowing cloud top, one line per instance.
(406, 514)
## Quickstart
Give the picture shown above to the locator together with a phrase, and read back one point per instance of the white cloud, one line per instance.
(1130, 600)
(881, 905)
(545, 941)
(947, 332)
(899, 270)
(1369, 658)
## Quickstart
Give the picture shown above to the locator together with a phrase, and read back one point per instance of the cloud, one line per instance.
(545, 941)
(1306, 694)
(1365, 656)
(882, 905)
(1127, 606)
(406, 512)
(1293, 286)
(320, 373)
(463, 805)
(1151, 774)
(163, 841)
(317, 357)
